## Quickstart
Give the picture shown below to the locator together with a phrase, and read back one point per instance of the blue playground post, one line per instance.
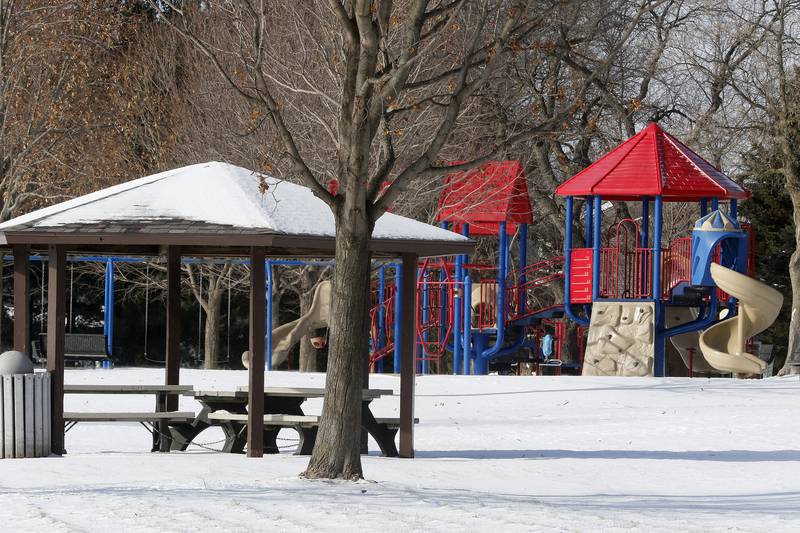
(658, 356)
(269, 314)
(568, 265)
(458, 288)
(482, 355)
(481, 364)
(597, 243)
(381, 314)
(425, 317)
(467, 331)
(714, 203)
(108, 311)
(733, 209)
(703, 207)
(398, 313)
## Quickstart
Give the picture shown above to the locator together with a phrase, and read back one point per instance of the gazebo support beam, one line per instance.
(408, 354)
(255, 411)
(173, 335)
(22, 310)
(56, 316)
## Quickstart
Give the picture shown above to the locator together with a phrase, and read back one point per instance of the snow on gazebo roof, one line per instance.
(209, 198)
(652, 163)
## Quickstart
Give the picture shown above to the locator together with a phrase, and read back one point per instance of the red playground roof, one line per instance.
(652, 163)
(485, 196)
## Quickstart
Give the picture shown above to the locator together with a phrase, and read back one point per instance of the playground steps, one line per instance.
(621, 339)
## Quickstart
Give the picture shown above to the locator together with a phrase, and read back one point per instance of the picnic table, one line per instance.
(158, 422)
(282, 408)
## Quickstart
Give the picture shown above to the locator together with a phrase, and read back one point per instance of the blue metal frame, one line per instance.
(659, 361)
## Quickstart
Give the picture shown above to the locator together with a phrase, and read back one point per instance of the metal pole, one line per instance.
(714, 204)
(425, 318)
(596, 241)
(703, 207)
(269, 313)
(658, 348)
(381, 342)
(467, 332)
(733, 209)
(398, 314)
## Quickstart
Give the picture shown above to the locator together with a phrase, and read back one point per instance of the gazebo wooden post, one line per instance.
(22, 310)
(255, 410)
(408, 355)
(56, 316)
(173, 338)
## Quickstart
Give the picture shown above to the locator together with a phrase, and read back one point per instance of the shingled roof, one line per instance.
(652, 163)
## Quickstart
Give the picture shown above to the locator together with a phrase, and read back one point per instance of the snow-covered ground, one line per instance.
(493, 454)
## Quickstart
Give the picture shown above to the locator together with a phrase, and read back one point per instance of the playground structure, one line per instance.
(628, 288)
(631, 291)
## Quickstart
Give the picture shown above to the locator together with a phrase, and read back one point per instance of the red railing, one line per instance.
(521, 296)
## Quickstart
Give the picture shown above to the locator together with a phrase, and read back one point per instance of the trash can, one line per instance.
(24, 408)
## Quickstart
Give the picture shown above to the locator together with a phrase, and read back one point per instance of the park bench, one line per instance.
(78, 347)
(234, 425)
(149, 420)
(157, 422)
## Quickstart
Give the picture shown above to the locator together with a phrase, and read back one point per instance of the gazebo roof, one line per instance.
(214, 207)
(652, 163)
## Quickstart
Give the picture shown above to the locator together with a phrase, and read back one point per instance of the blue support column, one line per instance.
(658, 348)
(481, 364)
(714, 204)
(458, 312)
(568, 266)
(467, 330)
(381, 315)
(269, 314)
(108, 316)
(597, 247)
(425, 317)
(703, 207)
(733, 209)
(398, 314)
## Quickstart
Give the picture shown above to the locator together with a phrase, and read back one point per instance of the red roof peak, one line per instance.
(652, 163)
(485, 196)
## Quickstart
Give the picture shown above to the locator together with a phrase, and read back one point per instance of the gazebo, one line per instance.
(206, 210)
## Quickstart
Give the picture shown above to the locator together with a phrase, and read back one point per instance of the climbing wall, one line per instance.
(620, 341)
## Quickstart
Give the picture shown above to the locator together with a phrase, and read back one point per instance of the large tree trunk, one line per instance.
(337, 449)
(212, 331)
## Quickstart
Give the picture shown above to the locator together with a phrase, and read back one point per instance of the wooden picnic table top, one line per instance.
(127, 389)
(295, 392)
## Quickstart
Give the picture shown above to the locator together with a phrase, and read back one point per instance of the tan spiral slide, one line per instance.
(723, 344)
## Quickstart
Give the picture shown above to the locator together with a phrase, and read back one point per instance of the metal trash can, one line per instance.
(24, 413)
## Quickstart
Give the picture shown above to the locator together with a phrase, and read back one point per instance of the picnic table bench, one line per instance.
(158, 422)
(77, 347)
(282, 408)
